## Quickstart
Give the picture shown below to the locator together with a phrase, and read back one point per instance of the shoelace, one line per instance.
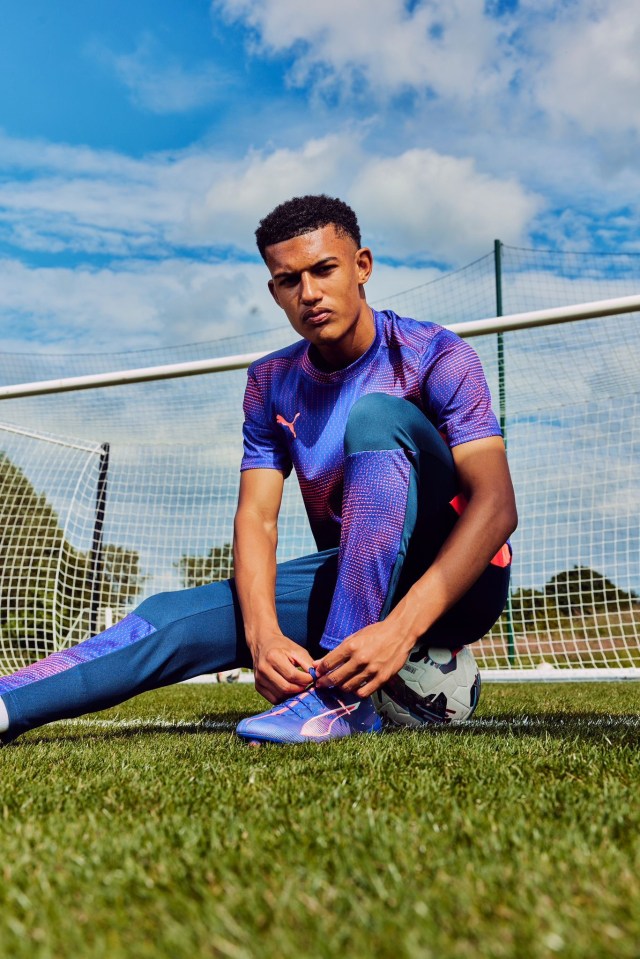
(299, 704)
(297, 701)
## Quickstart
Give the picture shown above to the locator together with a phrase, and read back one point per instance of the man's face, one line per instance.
(317, 279)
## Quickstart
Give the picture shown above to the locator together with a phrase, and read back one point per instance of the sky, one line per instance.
(140, 144)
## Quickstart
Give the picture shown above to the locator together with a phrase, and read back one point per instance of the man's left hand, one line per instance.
(364, 661)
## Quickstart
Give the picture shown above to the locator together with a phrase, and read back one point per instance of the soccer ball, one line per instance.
(433, 686)
(228, 676)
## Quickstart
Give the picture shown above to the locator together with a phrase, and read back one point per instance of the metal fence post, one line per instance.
(96, 547)
(502, 399)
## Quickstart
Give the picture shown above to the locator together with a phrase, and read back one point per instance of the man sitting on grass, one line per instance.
(388, 424)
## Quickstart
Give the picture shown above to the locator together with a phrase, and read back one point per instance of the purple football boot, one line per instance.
(313, 716)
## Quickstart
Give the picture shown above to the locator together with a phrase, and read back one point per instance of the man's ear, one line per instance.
(364, 264)
(273, 292)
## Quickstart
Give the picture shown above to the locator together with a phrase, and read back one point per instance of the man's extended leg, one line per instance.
(170, 637)
(398, 508)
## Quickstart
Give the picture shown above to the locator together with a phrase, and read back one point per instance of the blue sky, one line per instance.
(141, 142)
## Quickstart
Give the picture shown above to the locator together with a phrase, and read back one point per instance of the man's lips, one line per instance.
(316, 317)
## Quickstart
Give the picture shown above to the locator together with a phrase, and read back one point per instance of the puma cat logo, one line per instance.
(289, 425)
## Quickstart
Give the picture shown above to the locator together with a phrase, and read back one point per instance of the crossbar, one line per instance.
(498, 324)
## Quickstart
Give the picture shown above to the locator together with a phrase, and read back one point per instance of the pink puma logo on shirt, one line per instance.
(289, 425)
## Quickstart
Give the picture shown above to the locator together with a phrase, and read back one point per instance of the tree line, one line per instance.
(47, 586)
(574, 593)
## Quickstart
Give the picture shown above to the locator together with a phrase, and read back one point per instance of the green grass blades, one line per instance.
(150, 831)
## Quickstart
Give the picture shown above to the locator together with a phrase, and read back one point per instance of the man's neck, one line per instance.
(332, 357)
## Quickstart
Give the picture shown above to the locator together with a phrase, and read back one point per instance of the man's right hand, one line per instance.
(281, 667)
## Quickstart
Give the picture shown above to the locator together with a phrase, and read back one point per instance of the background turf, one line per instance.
(151, 831)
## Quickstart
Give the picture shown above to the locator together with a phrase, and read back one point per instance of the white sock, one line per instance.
(4, 717)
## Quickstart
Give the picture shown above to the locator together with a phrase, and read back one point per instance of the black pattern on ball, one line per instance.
(435, 686)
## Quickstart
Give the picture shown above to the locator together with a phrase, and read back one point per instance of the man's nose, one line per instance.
(309, 288)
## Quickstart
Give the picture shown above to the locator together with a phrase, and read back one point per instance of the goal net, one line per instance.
(109, 495)
(50, 545)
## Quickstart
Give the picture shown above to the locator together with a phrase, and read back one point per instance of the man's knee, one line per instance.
(154, 607)
(166, 608)
(381, 422)
(370, 425)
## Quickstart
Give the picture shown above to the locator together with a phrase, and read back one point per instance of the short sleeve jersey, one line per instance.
(296, 414)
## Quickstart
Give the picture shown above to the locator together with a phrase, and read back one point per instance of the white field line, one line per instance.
(548, 675)
(244, 677)
(518, 723)
(545, 722)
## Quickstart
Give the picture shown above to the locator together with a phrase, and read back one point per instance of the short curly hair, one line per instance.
(304, 214)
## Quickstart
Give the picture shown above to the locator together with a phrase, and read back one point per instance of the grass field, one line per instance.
(150, 831)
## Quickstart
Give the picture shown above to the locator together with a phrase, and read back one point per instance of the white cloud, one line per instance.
(144, 305)
(417, 204)
(593, 75)
(97, 201)
(389, 281)
(544, 75)
(158, 84)
(39, 155)
(444, 47)
(138, 306)
(244, 191)
(424, 204)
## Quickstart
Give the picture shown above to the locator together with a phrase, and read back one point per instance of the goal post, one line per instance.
(123, 483)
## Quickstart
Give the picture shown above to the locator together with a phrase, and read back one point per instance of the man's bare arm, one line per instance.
(368, 658)
(275, 657)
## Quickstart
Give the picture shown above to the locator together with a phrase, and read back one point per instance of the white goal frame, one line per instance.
(491, 325)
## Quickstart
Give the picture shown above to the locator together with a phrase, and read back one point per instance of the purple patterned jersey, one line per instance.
(296, 414)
